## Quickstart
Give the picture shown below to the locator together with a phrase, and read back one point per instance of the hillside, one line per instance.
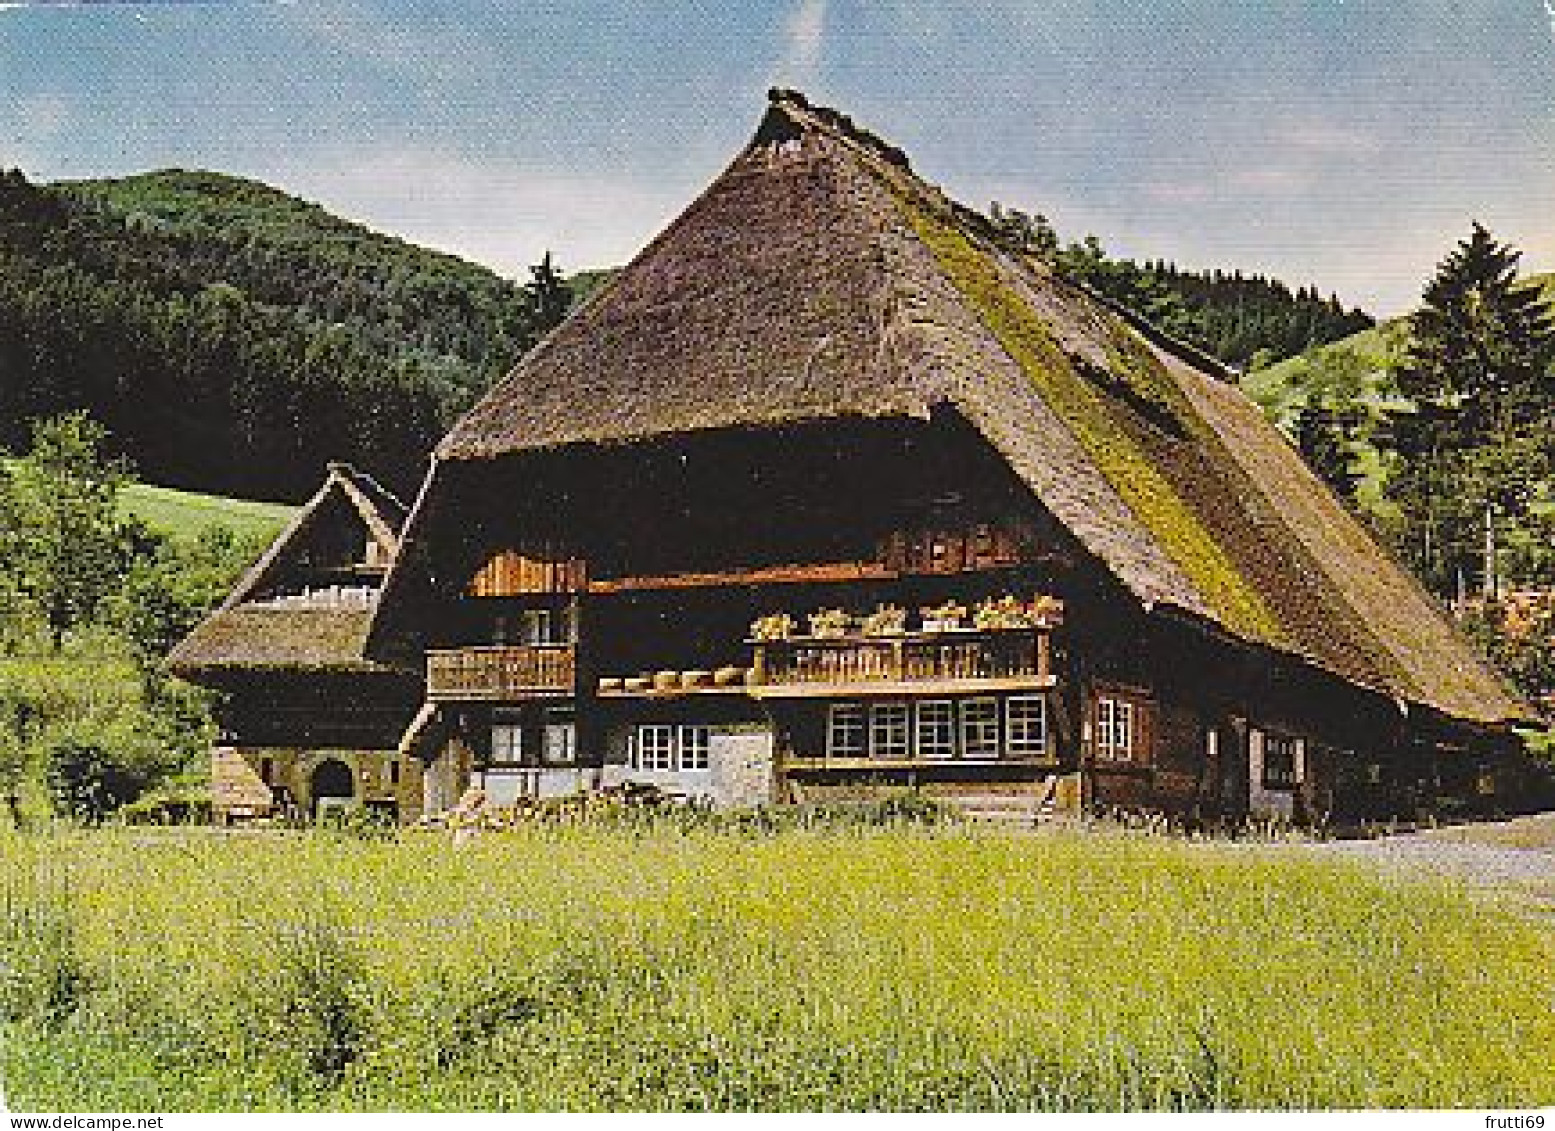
(1281, 388)
(183, 514)
(1243, 320)
(1284, 388)
(234, 338)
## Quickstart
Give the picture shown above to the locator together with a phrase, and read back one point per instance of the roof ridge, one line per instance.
(791, 102)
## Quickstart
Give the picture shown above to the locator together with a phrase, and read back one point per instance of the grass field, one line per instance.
(655, 968)
(183, 514)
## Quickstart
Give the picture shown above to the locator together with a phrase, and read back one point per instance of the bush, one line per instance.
(87, 783)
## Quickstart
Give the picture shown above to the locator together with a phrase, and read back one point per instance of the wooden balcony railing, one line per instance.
(1015, 656)
(500, 672)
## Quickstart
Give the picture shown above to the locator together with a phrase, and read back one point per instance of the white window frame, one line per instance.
(935, 738)
(655, 750)
(890, 730)
(1117, 720)
(981, 739)
(694, 747)
(1025, 735)
(847, 731)
(507, 743)
(559, 743)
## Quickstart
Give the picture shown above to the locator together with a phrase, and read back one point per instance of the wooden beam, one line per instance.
(763, 575)
(917, 687)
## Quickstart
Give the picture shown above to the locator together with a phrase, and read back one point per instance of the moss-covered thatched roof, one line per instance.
(252, 630)
(818, 277)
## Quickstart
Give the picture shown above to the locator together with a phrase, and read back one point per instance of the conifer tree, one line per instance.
(1479, 373)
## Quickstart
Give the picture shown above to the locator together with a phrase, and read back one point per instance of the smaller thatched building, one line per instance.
(306, 718)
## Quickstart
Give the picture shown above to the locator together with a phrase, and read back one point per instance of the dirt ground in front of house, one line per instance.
(1513, 857)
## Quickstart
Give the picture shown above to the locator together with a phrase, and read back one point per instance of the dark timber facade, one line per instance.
(826, 492)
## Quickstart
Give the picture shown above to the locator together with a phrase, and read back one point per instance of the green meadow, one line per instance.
(691, 968)
(183, 514)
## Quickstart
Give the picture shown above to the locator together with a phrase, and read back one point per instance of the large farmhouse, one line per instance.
(826, 491)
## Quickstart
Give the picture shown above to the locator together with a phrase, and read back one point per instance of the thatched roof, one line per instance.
(818, 277)
(261, 636)
(252, 629)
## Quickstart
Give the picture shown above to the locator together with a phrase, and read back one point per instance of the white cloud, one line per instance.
(503, 214)
(805, 36)
(43, 116)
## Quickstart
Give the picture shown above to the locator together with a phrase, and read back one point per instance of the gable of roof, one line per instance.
(244, 632)
(818, 277)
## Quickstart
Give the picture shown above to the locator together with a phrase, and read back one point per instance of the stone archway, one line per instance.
(331, 778)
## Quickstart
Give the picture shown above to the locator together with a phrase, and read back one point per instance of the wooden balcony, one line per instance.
(500, 673)
(909, 663)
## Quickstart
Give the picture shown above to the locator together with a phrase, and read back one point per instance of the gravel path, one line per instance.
(1515, 856)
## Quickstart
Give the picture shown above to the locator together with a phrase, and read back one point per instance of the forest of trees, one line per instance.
(234, 339)
(1247, 321)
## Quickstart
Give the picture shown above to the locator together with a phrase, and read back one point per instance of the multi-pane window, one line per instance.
(507, 743)
(936, 730)
(1279, 762)
(1115, 720)
(979, 728)
(662, 748)
(1025, 726)
(889, 733)
(656, 748)
(846, 736)
(696, 743)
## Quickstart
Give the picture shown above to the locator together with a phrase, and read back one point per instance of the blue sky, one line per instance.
(1341, 142)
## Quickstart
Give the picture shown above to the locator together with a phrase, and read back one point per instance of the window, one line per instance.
(1115, 720)
(889, 734)
(845, 735)
(394, 771)
(979, 728)
(1281, 761)
(561, 744)
(547, 626)
(267, 770)
(936, 732)
(656, 748)
(696, 744)
(662, 748)
(1025, 726)
(507, 743)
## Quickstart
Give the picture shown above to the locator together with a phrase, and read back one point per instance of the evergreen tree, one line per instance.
(547, 298)
(1333, 422)
(1478, 371)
